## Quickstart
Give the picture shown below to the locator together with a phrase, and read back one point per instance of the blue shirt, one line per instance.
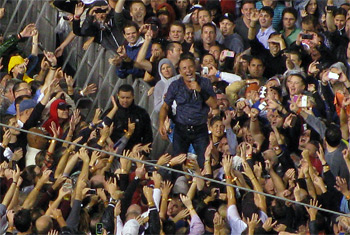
(12, 108)
(263, 37)
(191, 108)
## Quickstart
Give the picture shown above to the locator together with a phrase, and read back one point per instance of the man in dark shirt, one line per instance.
(127, 112)
(194, 96)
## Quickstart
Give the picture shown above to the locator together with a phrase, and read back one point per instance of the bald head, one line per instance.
(43, 224)
(36, 141)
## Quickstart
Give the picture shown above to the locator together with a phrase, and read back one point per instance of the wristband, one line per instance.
(76, 17)
(93, 126)
(299, 111)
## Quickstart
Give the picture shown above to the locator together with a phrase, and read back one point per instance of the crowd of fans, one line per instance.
(250, 93)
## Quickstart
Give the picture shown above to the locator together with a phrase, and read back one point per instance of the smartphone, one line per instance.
(304, 101)
(14, 163)
(99, 228)
(307, 36)
(91, 191)
(262, 105)
(205, 70)
(333, 76)
(229, 53)
(331, 8)
(320, 66)
(149, 174)
(294, 121)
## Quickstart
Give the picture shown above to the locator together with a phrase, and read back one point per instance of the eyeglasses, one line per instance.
(23, 89)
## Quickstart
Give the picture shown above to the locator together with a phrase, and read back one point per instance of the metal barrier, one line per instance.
(90, 66)
(150, 163)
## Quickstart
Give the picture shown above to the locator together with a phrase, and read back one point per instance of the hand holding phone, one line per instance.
(229, 53)
(333, 76)
(205, 70)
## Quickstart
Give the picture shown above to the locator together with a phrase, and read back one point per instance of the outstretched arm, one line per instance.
(141, 62)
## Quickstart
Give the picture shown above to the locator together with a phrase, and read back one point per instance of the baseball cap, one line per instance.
(27, 104)
(228, 16)
(63, 105)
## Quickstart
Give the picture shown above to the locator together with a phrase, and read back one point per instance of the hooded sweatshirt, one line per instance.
(161, 87)
(54, 118)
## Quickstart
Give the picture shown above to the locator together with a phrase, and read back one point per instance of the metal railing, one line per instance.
(149, 163)
(90, 66)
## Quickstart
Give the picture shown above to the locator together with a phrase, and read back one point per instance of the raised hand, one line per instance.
(218, 222)
(17, 155)
(83, 155)
(95, 155)
(112, 188)
(254, 221)
(268, 225)
(140, 171)
(320, 154)
(157, 179)
(44, 179)
(146, 148)
(131, 127)
(148, 192)
(342, 185)
(2, 12)
(312, 211)
(254, 15)
(166, 188)
(227, 164)
(164, 159)
(50, 56)
(181, 215)
(28, 31)
(6, 138)
(178, 159)
(89, 89)
(79, 9)
(55, 130)
(187, 202)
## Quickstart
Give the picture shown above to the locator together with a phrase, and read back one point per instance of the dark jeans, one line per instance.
(184, 135)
